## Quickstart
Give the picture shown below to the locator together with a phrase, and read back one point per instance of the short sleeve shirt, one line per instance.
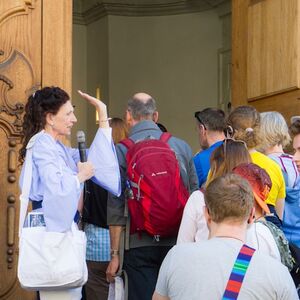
(272, 168)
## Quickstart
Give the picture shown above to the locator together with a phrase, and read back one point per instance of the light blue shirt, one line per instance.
(54, 176)
(98, 243)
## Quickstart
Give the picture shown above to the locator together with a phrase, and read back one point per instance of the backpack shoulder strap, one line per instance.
(128, 143)
(165, 136)
(238, 273)
(285, 172)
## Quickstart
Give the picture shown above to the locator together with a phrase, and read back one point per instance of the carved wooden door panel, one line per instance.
(20, 72)
(35, 50)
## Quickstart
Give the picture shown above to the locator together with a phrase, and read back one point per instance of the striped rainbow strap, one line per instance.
(238, 273)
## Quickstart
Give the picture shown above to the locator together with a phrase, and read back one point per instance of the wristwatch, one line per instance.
(114, 252)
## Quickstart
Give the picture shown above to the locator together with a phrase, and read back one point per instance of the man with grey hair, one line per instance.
(144, 254)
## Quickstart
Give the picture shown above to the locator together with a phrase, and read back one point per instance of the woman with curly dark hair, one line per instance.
(57, 174)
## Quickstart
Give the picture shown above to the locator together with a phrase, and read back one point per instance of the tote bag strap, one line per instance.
(238, 273)
(27, 179)
(24, 197)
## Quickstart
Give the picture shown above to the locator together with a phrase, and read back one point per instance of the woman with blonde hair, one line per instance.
(223, 159)
(276, 138)
(244, 124)
(119, 129)
(275, 132)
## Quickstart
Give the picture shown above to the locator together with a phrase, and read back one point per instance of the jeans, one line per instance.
(142, 266)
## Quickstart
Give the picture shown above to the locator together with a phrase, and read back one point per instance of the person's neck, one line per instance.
(49, 130)
(259, 214)
(228, 230)
(252, 150)
(214, 137)
(275, 149)
(133, 122)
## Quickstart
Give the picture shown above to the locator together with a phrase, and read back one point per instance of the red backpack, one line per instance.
(156, 194)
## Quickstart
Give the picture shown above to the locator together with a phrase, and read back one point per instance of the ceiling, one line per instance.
(88, 11)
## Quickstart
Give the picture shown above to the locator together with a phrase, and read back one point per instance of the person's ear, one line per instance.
(128, 118)
(49, 119)
(155, 117)
(266, 191)
(202, 129)
(252, 216)
(207, 215)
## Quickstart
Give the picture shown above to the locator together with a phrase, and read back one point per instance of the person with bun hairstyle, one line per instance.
(244, 124)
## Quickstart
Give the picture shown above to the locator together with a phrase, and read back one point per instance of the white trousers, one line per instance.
(71, 294)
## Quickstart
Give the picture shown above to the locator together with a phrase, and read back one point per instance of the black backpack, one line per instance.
(95, 205)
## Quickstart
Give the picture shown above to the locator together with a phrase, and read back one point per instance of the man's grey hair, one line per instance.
(141, 109)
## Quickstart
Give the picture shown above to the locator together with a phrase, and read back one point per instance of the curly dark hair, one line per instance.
(44, 101)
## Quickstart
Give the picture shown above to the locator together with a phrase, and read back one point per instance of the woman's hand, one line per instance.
(85, 171)
(100, 107)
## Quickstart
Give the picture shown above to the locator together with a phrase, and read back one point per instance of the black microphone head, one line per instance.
(80, 136)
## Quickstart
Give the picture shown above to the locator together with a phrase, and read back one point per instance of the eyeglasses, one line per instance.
(198, 118)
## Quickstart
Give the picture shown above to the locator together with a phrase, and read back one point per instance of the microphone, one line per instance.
(81, 146)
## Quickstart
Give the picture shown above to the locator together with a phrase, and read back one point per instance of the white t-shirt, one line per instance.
(194, 271)
(193, 228)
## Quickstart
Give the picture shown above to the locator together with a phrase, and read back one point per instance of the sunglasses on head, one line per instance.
(229, 132)
(198, 118)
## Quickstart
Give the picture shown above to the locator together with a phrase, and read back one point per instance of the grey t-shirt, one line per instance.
(201, 271)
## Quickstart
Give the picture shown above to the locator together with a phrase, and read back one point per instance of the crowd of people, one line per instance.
(216, 225)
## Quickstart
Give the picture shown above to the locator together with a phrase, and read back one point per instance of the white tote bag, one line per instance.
(48, 260)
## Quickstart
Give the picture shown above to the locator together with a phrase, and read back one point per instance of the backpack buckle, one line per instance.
(138, 197)
(156, 237)
(128, 190)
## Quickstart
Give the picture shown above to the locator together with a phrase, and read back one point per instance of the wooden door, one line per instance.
(265, 55)
(35, 51)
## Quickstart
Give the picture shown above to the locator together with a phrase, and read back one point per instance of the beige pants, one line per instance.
(71, 294)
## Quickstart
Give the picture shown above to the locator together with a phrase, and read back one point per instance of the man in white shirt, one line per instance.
(201, 270)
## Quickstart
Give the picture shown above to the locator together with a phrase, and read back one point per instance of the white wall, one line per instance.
(90, 71)
(173, 58)
(79, 77)
(97, 67)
